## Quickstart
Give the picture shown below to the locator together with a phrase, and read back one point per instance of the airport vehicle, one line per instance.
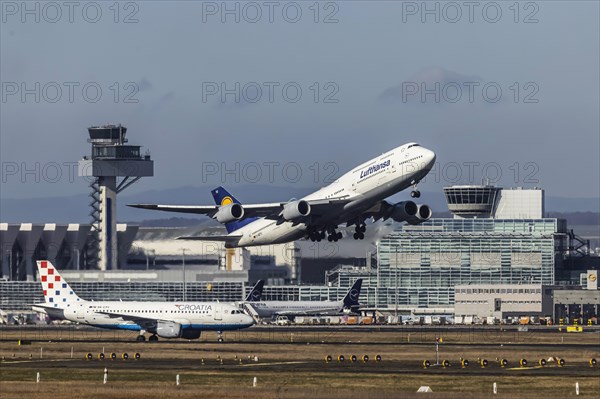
(270, 309)
(352, 199)
(160, 319)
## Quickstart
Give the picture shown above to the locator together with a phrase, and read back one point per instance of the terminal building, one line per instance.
(497, 236)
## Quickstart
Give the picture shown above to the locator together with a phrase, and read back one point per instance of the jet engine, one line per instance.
(295, 210)
(423, 214)
(229, 213)
(403, 211)
(172, 329)
(168, 329)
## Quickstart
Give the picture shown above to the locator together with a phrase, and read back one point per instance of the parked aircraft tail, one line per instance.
(256, 293)
(56, 289)
(351, 299)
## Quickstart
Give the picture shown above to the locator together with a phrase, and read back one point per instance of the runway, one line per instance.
(295, 359)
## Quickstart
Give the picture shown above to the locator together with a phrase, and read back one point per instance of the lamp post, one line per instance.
(183, 266)
(396, 283)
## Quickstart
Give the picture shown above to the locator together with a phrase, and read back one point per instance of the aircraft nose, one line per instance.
(249, 319)
(429, 157)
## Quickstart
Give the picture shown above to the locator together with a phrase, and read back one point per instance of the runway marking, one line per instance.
(273, 364)
(37, 361)
(526, 368)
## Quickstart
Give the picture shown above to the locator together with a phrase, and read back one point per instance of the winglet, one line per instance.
(56, 290)
(256, 292)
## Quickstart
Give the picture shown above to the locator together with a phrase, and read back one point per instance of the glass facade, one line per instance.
(420, 265)
(19, 295)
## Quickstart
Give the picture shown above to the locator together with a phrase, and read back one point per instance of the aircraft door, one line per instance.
(218, 312)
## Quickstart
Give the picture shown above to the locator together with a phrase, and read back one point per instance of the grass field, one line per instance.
(291, 363)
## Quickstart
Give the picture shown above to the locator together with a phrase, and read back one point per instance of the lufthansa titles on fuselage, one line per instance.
(374, 168)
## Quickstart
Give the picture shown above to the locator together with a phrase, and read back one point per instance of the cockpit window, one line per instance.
(414, 145)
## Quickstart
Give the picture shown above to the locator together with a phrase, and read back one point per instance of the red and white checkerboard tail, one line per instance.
(56, 290)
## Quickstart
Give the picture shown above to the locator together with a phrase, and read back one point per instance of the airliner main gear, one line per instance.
(359, 231)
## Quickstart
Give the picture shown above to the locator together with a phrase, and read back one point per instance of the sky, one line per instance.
(300, 92)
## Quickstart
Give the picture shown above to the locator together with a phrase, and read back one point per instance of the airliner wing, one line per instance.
(208, 210)
(144, 322)
(273, 210)
(267, 210)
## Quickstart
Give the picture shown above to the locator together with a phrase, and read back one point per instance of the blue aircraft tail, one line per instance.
(222, 197)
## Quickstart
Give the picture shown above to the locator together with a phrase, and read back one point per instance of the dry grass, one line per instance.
(297, 369)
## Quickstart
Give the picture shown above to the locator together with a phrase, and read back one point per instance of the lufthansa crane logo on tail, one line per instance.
(226, 201)
(255, 296)
(354, 294)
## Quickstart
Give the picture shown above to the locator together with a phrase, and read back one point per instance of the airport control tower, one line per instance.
(111, 158)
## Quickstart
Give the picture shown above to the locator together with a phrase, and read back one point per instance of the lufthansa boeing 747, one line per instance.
(352, 199)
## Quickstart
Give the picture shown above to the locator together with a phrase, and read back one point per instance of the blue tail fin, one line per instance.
(222, 197)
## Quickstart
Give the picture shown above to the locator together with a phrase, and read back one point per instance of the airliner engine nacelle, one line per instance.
(229, 213)
(402, 211)
(172, 329)
(295, 210)
(168, 329)
(423, 214)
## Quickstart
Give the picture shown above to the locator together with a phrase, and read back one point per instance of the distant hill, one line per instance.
(75, 208)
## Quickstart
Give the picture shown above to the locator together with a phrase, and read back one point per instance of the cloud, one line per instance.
(144, 85)
(433, 85)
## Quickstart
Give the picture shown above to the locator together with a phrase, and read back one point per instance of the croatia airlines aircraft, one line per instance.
(348, 304)
(352, 199)
(161, 319)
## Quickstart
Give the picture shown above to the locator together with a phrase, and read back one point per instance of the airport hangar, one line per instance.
(497, 240)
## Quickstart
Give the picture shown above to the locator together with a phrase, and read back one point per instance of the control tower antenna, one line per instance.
(111, 158)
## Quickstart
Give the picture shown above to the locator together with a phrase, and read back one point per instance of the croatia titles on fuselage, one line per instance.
(190, 307)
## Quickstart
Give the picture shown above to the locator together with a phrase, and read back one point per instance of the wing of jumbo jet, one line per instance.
(267, 210)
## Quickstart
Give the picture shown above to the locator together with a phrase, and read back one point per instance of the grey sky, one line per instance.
(376, 47)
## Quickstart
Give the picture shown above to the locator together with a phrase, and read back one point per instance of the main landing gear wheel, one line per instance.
(359, 231)
(335, 236)
(315, 235)
(153, 338)
(140, 338)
